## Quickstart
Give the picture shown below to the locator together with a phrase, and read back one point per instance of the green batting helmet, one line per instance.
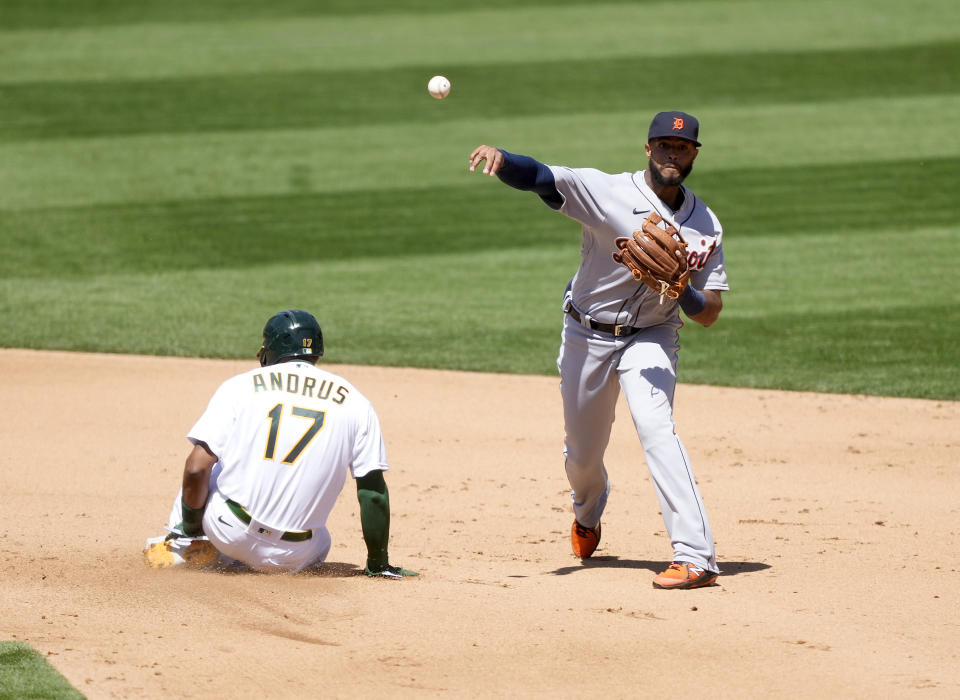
(291, 333)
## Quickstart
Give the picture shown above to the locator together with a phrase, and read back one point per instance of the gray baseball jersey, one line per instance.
(610, 206)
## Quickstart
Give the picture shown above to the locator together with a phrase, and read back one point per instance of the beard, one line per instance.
(668, 180)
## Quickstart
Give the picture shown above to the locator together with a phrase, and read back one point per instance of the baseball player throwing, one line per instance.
(621, 318)
(270, 456)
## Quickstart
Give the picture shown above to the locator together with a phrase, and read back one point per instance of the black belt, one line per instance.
(289, 536)
(612, 329)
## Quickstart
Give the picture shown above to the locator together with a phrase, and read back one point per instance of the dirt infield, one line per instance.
(835, 517)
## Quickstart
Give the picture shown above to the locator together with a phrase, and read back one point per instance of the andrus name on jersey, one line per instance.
(292, 384)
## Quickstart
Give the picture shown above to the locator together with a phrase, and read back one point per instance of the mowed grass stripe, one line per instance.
(839, 311)
(371, 313)
(319, 99)
(907, 351)
(385, 224)
(241, 233)
(862, 312)
(500, 312)
(855, 197)
(41, 174)
(30, 14)
(515, 35)
(786, 275)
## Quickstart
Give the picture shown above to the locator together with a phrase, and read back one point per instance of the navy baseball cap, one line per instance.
(678, 124)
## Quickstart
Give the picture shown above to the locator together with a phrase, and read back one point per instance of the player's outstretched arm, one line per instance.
(519, 171)
(375, 520)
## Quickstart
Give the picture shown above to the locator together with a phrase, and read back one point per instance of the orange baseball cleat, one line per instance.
(584, 539)
(681, 574)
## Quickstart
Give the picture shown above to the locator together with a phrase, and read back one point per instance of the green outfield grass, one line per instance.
(173, 173)
(302, 99)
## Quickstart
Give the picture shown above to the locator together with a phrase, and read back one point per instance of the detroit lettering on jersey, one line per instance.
(698, 260)
(292, 383)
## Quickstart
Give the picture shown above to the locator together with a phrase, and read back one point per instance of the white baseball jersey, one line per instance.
(285, 436)
(613, 206)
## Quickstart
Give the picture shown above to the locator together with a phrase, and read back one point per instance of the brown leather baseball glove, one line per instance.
(657, 257)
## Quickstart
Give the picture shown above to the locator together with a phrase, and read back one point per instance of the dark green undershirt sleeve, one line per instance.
(192, 520)
(375, 518)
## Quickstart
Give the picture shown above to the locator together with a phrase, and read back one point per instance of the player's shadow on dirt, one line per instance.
(727, 568)
(333, 569)
(329, 569)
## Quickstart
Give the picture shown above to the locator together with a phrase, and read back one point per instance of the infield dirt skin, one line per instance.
(835, 518)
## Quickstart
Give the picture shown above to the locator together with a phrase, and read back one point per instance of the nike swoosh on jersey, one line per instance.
(642, 211)
(220, 518)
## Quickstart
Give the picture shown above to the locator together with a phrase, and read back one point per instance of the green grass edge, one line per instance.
(26, 675)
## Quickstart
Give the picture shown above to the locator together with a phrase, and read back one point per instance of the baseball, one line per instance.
(438, 87)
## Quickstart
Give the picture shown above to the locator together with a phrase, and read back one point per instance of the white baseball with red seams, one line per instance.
(438, 87)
